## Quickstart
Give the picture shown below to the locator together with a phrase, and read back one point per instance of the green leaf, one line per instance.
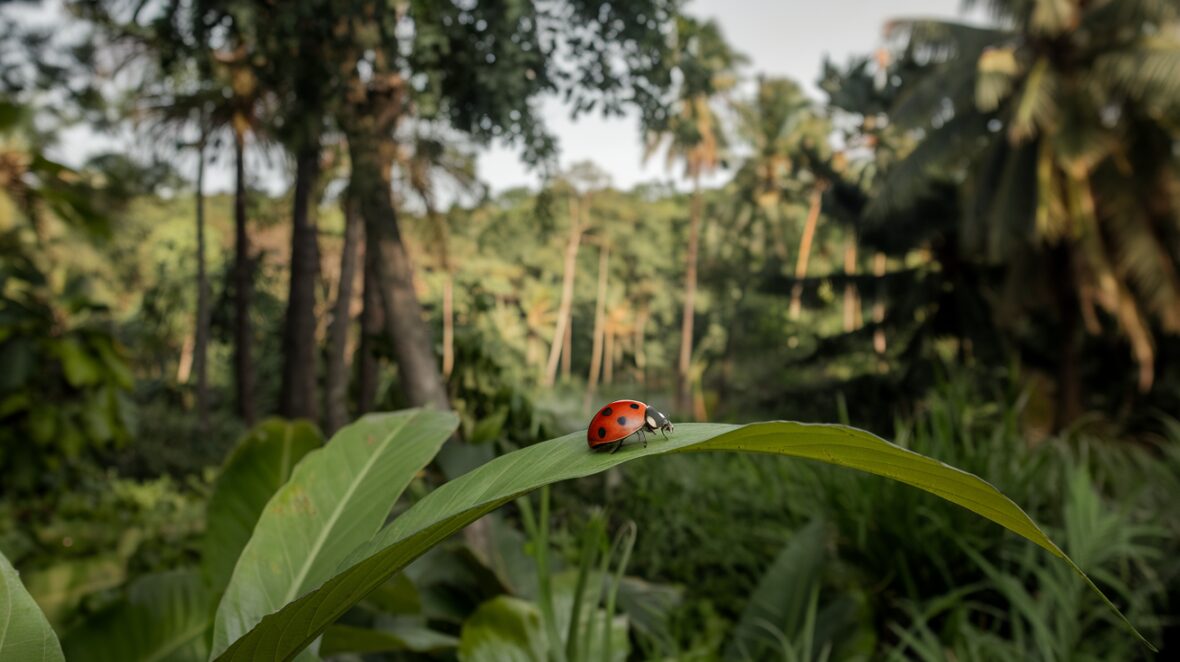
(24, 632)
(462, 501)
(336, 500)
(164, 616)
(257, 468)
(503, 629)
(778, 607)
(81, 369)
(407, 636)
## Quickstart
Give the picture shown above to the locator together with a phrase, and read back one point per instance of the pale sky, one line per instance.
(780, 37)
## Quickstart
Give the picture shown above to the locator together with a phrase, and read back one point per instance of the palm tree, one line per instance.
(788, 137)
(1062, 122)
(692, 134)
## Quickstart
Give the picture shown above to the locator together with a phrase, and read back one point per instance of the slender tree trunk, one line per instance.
(1069, 375)
(805, 249)
(684, 392)
(567, 351)
(336, 376)
(421, 380)
(851, 296)
(640, 342)
(448, 364)
(243, 290)
(372, 324)
(879, 304)
(599, 329)
(567, 294)
(201, 348)
(608, 353)
(297, 398)
(184, 367)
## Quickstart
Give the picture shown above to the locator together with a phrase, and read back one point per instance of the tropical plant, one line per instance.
(1059, 121)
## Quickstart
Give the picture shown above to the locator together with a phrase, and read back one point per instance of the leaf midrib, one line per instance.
(321, 539)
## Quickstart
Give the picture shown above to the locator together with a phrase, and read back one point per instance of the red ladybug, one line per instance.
(621, 419)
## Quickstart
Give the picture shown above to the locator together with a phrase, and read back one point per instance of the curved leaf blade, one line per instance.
(165, 616)
(337, 498)
(24, 632)
(260, 464)
(282, 634)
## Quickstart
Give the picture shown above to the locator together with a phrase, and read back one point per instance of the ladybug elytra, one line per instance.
(623, 418)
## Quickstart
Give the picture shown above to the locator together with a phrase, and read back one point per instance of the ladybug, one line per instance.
(621, 419)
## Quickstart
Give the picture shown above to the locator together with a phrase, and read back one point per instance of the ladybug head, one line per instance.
(656, 420)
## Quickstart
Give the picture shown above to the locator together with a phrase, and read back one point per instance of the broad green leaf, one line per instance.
(337, 498)
(778, 606)
(503, 629)
(24, 632)
(401, 636)
(467, 498)
(165, 616)
(260, 464)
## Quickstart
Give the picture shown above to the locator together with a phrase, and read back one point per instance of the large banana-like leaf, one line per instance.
(24, 632)
(282, 634)
(258, 467)
(337, 498)
(165, 616)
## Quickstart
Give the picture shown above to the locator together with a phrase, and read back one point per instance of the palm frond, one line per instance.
(1148, 267)
(1036, 107)
(935, 40)
(1053, 17)
(1103, 15)
(997, 70)
(1148, 72)
(943, 151)
(1004, 194)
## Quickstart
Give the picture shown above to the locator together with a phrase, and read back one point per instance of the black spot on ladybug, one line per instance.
(622, 420)
(606, 412)
(634, 406)
(601, 432)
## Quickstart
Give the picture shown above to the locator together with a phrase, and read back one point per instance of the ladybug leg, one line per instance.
(618, 445)
(642, 436)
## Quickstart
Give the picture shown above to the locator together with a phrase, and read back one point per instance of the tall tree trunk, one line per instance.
(567, 293)
(805, 249)
(243, 290)
(684, 380)
(608, 354)
(184, 367)
(297, 397)
(852, 318)
(1069, 375)
(372, 154)
(567, 347)
(640, 342)
(448, 364)
(336, 376)
(201, 346)
(599, 329)
(372, 324)
(879, 304)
